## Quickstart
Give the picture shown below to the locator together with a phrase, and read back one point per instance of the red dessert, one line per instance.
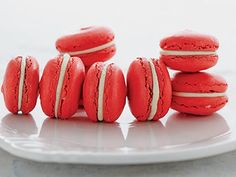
(149, 89)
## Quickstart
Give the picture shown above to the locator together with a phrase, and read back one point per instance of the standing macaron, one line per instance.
(104, 92)
(149, 89)
(60, 86)
(189, 52)
(198, 93)
(91, 44)
(20, 85)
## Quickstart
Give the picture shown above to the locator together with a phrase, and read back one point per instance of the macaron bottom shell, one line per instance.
(192, 63)
(98, 56)
(198, 106)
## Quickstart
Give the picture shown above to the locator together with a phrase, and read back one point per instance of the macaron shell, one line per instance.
(86, 38)
(90, 90)
(48, 85)
(190, 41)
(198, 106)
(192, 63)
(139, 84)
(200, 82)
(114, 93)
(98, 56)
(165, 89)
(71, 88)
(31, 84)
(10, 86)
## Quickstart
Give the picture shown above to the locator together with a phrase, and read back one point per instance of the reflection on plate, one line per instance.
(78, 140)
(179, 130)
(80, 133)
(183, 129)
(20, 125)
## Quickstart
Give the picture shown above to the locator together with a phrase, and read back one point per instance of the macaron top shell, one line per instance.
(190, 41)
(140, 88)
(70, 90)
(10, 87)
(48, 85)
(114, 93)
(86, 38)
(199, 82)
(31, 85)
(139, 83)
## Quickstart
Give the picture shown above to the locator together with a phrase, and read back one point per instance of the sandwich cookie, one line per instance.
(149, 89)
(198, 93)
(104, 92)
(60, 86)
(91, 44)
(20, 85)
(189, 52)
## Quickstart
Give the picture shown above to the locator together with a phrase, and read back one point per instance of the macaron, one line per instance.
(20, 85)
(188, 51)
(149, 89)
(104, 92)
(198, 93)
(91, 44)
(60, 86)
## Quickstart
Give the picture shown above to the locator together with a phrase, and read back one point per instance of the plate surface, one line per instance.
(176, 137)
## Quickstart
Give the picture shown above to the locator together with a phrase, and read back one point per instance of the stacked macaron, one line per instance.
(90, 44)
(149, 89)
(194, 92)
(63, 79)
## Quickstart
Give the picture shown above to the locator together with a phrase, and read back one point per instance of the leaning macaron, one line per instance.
(188, 51)
(60, 86)
(198, 93)
(20, 85)
(91, 44)
(149, 89)
(104, 92)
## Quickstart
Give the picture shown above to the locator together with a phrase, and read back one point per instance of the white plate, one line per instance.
(177, 137)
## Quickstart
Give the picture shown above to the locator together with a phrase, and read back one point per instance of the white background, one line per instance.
(31, 27)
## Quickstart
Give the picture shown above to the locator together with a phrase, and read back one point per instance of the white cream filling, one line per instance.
(94, 49)
(101, 92)
(21, 83)
(186, 53)
(66, 58)
(187, 94)
(155, 92)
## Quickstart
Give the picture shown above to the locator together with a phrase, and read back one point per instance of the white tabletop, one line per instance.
(222, 165)
(31, 28)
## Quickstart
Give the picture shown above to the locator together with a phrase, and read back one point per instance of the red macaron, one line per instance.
(188, 51)
(104, 92)
(149, 89)
(60, 86)
(91, 44)
(198, 93)
(20, 85)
